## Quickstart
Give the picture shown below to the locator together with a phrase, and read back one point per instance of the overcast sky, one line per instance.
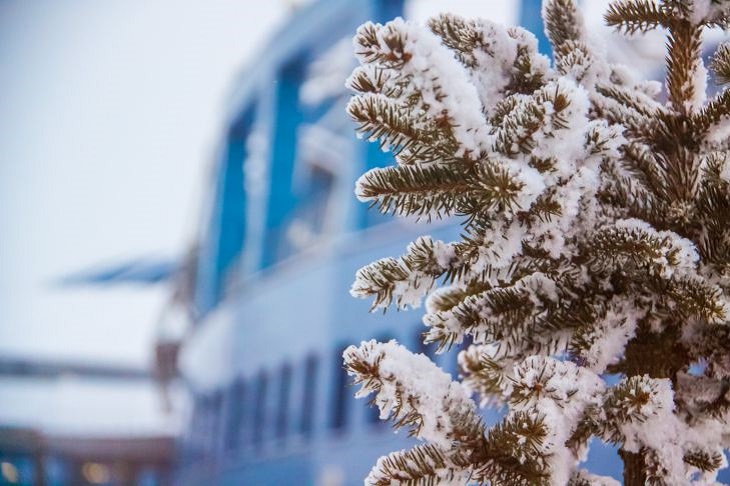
(109, 112)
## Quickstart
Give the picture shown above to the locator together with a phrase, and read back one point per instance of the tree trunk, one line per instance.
(633, 468)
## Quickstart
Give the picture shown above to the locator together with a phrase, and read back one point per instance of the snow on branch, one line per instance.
(595, 239)
(413, 392)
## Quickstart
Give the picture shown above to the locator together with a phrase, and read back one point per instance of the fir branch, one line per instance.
(631, 16)
(387, 279)
(484, 372)
(470, 40)
(562, 22)
(684, 57)
(645, 172)
(712, 114)
(380, 118)
(636, 101)
(535, 379)
(544, 110)
(439, 190)
(609, 321)
(544, 209)
(381, 44)
(628, 402)
(641, 247)
(413, 392)
(721, 64)
(504, 107)
(379, 279)
(703, 460)
(520, 315)
(460, 35)
(641, 127)
(573, 59)
(588, 426)
(423, 465)
(526, 76)
(513, 454)
(694, 297)
(713, 206)
(375, 80)
(446, 298)
(467, 252)
(415, 190)
(490, 316)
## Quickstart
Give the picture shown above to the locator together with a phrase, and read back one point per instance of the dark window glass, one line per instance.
(282, 415)
(259, 415)
(207, 425)
(227, 226)
(281, 199)
(235, 414)
(216, 416)
(310, 390)
(341, 392)
(196, 421)
(200, 426)
(421, 347)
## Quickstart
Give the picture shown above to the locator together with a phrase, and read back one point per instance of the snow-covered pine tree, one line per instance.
(596, 242)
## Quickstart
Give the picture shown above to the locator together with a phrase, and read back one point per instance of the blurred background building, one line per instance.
(206, 347)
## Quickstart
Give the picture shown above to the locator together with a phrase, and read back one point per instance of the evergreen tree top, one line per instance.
(596, 240)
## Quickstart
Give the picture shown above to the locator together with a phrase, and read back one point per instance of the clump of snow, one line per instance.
(559, 392)
(609, 336)
(595, 479)
(441, 83)
(411, 383)
(678, 254)
(410, 292)
(719, 133)
(656, 427)
(707, 9)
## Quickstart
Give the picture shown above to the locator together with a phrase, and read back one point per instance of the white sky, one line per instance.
(109, 112)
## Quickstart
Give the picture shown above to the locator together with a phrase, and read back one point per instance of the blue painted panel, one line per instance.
(531, 19)
(295, 469)
(233, 212)
(386, 10)
(603, 460)
(227, 227)
(289, 114)
(282, 202)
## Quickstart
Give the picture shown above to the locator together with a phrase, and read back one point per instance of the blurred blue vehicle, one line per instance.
(266, 288)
